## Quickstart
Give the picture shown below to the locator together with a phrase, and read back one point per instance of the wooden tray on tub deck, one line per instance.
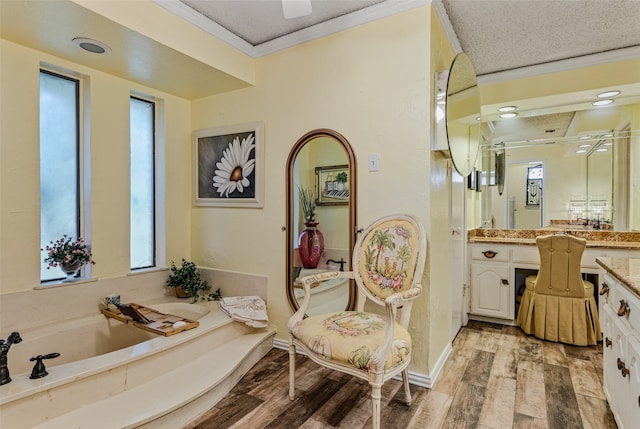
(160, 323)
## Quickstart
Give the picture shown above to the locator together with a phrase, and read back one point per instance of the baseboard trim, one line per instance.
(415, 378)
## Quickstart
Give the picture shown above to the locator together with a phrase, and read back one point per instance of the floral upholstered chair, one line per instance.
(557, 304)
(388, 262)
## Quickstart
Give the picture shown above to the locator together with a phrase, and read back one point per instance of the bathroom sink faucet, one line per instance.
(14, 338)
(341, 262)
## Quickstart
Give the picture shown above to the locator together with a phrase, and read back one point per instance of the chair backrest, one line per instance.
(389, 257)
(560, 257)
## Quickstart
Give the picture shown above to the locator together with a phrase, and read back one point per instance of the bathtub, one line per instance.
(329, 296)
(115, 373)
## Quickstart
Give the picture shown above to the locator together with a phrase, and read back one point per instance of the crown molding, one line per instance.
(363, 16)
(613, 56)
(443, 17)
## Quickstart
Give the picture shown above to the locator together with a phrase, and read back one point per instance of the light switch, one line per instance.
(374, 162)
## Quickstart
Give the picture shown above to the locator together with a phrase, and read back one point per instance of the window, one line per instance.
(143, 198)
(534, 185)
(59, 163)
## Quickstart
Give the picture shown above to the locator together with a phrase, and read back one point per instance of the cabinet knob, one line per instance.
(624, 308)
(605, 289)
(623, 368)
(504, 282)
(490, 254)
(607, 342)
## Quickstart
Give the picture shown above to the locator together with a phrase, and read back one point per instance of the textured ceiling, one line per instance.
(258, 22)
(501, 35)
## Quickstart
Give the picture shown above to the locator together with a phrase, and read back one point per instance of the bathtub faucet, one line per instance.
(341, 262)
(14, 338)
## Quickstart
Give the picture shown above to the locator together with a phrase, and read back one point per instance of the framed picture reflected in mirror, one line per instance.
(332, 185)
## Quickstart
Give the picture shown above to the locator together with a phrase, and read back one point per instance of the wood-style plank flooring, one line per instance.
(496, 377)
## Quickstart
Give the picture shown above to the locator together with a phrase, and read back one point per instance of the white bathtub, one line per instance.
(87, 337)
(113, 372)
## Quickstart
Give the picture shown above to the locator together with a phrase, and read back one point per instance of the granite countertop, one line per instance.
(626, 270)
(595, 239)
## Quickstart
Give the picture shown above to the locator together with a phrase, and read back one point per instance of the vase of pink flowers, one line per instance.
(68, 254)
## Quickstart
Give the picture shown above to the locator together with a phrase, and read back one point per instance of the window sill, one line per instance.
(147, 270)
(59, 283)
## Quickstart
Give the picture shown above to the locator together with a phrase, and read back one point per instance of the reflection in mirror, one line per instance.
(582, 186)
(600, 184)
(323, 162)
(462, 114)
(500, 167)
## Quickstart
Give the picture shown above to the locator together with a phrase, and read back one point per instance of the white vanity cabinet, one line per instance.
(491, 283)
(620, 322)
(497, 273)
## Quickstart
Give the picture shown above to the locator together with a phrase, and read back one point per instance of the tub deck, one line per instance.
(162, 382)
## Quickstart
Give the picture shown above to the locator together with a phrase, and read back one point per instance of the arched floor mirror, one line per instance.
(323, 164)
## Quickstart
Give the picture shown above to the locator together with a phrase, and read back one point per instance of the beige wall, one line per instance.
(565, 172)
(634, 169)
(437, 318)
(371, 84)
(109, 147)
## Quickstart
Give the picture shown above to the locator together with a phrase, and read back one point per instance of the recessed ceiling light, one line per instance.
(602, 102)
(585, 137)
(91, 45)
(602, 149)
(585, 145)
(508, 115)
(507, 109)
(581, 151)
(608, 94)
(608, 144)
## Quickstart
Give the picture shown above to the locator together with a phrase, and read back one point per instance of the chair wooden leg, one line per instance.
(292, 370)
(376, 394)
(407, 391)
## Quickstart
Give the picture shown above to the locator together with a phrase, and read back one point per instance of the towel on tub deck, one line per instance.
(250, 310)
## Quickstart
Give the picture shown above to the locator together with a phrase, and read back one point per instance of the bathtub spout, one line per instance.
(14, 338)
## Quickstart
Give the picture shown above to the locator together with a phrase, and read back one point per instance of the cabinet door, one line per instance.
(631, 411)
(491, 290)
(618, 382)
(610, 352)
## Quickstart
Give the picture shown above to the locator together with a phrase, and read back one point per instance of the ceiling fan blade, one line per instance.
(296, 8)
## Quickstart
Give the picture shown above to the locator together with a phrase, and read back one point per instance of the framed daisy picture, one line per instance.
(229, 166)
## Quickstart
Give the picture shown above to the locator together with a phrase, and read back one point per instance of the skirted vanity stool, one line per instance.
(557, 304)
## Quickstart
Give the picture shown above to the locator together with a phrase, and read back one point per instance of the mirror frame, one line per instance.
(340, 139)
(462, 82)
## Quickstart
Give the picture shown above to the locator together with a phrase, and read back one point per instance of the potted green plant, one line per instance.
(341, 178)
(187, 282)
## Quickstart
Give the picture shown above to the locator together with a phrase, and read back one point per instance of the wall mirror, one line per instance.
(587, 182)
(463, 114)
(321, 162)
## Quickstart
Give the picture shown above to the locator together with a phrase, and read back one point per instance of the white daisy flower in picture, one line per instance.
(229, 166)
(235, 166)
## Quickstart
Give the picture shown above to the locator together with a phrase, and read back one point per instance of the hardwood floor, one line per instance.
(495, 377)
